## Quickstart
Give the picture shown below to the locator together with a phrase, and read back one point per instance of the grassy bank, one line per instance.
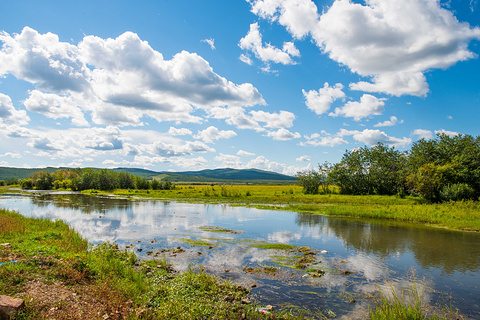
(452, 215)
(53, 270)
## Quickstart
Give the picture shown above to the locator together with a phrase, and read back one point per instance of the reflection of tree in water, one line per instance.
(448, 250)
(86, 204)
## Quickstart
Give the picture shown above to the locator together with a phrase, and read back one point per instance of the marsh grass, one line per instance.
(197, 242)
(219, 229)
(408, 304)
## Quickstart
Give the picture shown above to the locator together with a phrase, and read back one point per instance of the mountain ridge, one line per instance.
(206, 175)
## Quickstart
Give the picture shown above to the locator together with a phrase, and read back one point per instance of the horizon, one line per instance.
(279, 86)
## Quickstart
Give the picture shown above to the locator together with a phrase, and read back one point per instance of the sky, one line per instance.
(278, 85)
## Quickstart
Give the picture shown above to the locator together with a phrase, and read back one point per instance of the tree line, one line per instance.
(440, 169)
(88, 178)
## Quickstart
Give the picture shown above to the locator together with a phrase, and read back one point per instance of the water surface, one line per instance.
(376, 255)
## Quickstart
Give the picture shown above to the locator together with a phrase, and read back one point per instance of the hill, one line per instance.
(225, 175)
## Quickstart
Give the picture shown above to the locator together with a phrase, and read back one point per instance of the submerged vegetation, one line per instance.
(52, 268)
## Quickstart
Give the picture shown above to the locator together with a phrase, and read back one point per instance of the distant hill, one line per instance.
(226, 175)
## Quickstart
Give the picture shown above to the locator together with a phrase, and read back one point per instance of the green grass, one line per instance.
(51, 253)
(219, 229)
(196, 242)
(408, 304)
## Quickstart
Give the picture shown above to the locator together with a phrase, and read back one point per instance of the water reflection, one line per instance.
(374, 254)
(450, 251)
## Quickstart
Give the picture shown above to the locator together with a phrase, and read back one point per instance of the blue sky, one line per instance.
(279, 85)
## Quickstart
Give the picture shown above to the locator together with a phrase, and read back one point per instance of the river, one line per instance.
(358, 257)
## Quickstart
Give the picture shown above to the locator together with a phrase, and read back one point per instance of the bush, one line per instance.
(457, 192)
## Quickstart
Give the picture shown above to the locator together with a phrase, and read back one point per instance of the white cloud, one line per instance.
(303, 158)
(185, 149)
(229, 161)
(448, 133)
(245, 153)
(388, 123)
(392, 42)
(103, 139)
(298, 16)
(212, 133)
(423, 134)
(367, 106)
(268, 53)
(179, 132)
(210, 42)
(55, 106)
(283, 119)
(235, 116)
(327, 140)
(321, 100)
(43, 143)
(118, 81)
(245, 58)
(283, 134)
(10, 115)
(263, 163)
(191, 163)
(13, 155)
(373, 137)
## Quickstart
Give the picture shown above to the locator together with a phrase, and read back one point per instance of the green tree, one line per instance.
(310, 180)
(42, 180)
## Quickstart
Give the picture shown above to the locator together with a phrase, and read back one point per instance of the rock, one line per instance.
(10, 306)
(228, 298)
(269, 308)
(246, 301)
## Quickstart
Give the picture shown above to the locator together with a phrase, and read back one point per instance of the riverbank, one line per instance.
(52, 269)
(464, 216)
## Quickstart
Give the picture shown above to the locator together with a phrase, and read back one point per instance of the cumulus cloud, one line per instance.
(373, 137)
(245, 153)
(179, 132)
(235, 116)
(187, 148)
(212, 133)
(283, 119)
(283, 134)
(446, 132)
(210, 42)
(303, 158)
(263, 163)
(267, 53)
(324, 140)
(423, 134)
(55, 106)
(245, 58)
(298, 16)
(117, 80)
(43, 143)
(104, 139)
(10, 115)
(229, 161)
(388, 123)
(367, 106)
(391, 42)
(321, 100)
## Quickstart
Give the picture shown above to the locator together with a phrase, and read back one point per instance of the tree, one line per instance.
(310, 180)
(42, 180)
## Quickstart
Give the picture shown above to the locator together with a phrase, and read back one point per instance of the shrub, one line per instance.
(457, 192)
